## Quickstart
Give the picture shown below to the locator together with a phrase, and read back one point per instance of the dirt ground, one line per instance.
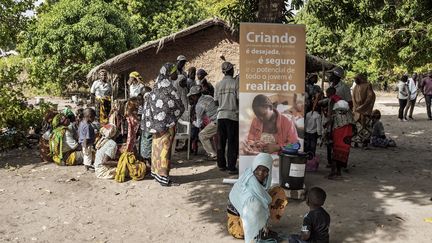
(385, 198)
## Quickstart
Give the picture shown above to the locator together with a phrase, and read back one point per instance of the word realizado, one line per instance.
(268, 86)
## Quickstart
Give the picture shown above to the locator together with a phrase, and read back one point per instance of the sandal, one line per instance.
(169, 184)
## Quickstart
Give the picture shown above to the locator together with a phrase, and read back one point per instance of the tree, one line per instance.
(405, 37)
(153, 19)
(276, 11)
(73, 36)
(13, 21)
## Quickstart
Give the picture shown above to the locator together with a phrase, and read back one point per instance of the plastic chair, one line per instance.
(183, 136)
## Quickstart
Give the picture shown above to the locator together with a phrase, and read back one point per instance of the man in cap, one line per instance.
(335, 78)
(206, 87)
(181, 85)
(181, 62)
(136, 85)
(226, 97)
(101, 89)
(205, 106)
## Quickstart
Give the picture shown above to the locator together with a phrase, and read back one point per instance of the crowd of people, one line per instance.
(120, 140)
(129, 139)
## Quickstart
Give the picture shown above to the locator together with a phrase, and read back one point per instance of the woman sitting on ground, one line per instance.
(106, 153)
(64, 149)
(269, 130)
(250, 205)
(44, 146)
(378, 137)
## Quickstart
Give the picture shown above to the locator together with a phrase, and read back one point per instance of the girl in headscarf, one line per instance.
(63, 147)
(250, 204)
(162, 111)
(106, 151)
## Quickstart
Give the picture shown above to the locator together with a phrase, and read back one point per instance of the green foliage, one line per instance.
(401, 31)
(153, 19)
(12, 21)
(247, 11)
(14, 113)
(71, 37)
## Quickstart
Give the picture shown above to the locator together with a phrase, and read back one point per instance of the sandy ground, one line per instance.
(385, 197)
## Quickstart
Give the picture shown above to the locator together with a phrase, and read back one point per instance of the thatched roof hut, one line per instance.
(203, 44)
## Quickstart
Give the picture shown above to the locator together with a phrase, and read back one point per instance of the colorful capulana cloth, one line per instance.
(277, 209)
(103, 105)
(164, 106)
(129, 167)
(161, 155)
(251, 198)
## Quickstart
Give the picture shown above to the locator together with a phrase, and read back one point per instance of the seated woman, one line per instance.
(250, 206)
(64, 149)
(269, 130)
(378, 137)
(44, 146)
(106, 153)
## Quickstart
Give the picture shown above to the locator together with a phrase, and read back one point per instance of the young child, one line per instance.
(378, 137)
(87, 137)
(313, 131)
(316, 222)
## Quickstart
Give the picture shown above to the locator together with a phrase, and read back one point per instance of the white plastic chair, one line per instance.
(183, 136)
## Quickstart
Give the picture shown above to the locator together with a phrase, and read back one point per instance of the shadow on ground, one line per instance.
(376, 201)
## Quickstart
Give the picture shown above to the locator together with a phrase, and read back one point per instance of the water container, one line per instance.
(292, 171)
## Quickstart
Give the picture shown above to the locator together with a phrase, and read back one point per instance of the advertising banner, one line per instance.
(272, 86)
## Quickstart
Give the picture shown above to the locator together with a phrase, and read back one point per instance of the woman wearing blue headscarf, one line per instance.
(251, 204)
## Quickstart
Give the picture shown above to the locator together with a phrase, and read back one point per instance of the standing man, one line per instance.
(427, 92)
(227, 98)
(181, 86)
(335, 78)
(412, 98)
(102, 90)
(205, 106)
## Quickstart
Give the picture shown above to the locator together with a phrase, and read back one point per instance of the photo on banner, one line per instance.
(272, 86)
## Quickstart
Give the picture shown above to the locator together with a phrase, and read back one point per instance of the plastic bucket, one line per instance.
(292, 171)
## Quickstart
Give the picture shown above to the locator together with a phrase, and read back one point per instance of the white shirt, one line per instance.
(101, 89)
(69, 142)
(412, 88)
(313, 122)
(403, 90)
(135, 89)
(109, 148)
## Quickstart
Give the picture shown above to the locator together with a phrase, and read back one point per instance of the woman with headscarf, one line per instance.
(106, 153)
(44, 145)
(269, 130)
(136, 84)
(63, 147)
(162, 111)
(363, 98)
(252, 203)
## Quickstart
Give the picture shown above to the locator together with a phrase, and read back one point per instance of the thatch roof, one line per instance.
(112, 63)
(313, 63)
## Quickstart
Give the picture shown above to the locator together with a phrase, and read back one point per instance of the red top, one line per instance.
(286, 130)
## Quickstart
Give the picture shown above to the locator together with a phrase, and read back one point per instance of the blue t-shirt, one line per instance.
(86, 131)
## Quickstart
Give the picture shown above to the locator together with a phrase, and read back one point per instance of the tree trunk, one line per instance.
(270, 11)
